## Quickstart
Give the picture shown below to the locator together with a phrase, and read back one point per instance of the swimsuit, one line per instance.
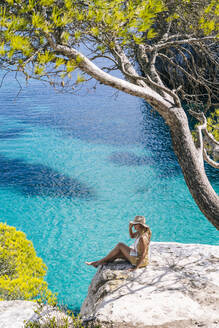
(134, 254)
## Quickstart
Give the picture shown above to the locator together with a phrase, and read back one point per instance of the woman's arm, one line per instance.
(131, 233)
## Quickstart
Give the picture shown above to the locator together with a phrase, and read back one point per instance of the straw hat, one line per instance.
(139, 220)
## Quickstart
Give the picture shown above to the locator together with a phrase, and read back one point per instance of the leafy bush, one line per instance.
(21, 271)
(22, 275)
(69, 321)
(212, 127)
(213, 124)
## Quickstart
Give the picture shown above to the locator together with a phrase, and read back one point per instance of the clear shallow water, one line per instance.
(76, 169)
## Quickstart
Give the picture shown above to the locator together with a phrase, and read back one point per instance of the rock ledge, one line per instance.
(179, 289)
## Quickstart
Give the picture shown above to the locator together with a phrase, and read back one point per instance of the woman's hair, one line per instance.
(148, 230)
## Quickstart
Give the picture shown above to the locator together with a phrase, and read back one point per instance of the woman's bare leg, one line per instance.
(121, 250)
(118, 256)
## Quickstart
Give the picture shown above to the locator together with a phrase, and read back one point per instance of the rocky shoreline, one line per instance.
(179, 289)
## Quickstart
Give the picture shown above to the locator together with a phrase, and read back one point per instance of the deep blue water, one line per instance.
(76, 169)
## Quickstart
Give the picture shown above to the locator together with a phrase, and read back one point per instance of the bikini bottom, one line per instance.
(134, 259)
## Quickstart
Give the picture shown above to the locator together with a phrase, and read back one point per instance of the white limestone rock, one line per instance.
(14, 314)
(179, 289)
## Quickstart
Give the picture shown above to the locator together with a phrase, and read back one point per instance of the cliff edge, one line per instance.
(179, 289)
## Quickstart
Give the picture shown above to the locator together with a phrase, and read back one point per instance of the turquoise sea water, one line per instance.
(76, 169)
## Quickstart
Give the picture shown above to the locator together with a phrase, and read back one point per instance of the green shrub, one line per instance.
(213, 124)
(68, 322)
(21, 271)
(22, 275)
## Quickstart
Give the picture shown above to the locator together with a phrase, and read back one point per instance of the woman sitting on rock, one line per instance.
(137, 255)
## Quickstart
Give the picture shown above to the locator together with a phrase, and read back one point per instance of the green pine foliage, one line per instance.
(212, 127)
(213, 124)
(26, 25)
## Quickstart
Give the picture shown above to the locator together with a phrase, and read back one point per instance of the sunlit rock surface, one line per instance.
(179, 289)
(14, 314)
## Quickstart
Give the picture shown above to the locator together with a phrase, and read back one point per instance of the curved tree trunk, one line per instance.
(191, 161)
(190, 158)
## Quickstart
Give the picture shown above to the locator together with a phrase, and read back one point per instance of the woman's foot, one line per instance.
(94, 264)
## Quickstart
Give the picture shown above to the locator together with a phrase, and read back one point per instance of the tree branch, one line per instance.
(151, 96)
(126, 67)
(201, 117)
(203, 127)
(168, 44)
(209, 160)
(133, 76)
(180, 68)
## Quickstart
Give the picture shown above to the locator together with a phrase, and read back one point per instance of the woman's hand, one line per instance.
(131, 233)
